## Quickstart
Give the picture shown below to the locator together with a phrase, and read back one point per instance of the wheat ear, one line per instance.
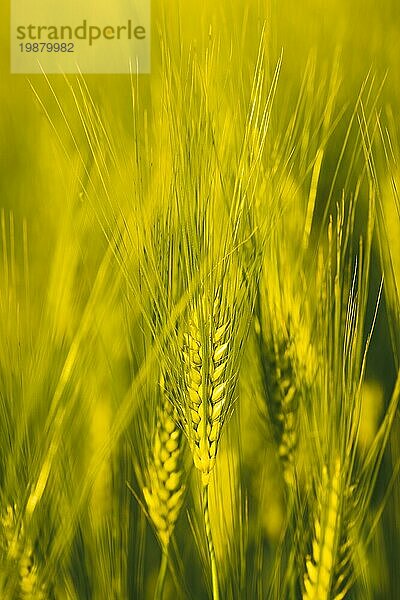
(165, 491)
(164, 494)
(284, 399)
(20, 552)
(206, 381)
(206, 358)
(321, 566)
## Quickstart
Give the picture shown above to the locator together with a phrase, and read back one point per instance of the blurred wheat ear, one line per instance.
(317, 580)
(25, 579)
(165, 488)
(165, 492)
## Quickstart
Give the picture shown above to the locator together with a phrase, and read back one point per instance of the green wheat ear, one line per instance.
(288, 365)
(284, 398)
(206, 359)
(165, 491)
(209, 365)
(20, 555)
(320, 568)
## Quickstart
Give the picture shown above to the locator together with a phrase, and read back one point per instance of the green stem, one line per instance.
(159, 592)
(211, 549)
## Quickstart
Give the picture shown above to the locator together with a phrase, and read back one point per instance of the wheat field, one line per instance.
(200, 312)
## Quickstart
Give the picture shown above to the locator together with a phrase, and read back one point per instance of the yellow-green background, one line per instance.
(37, 183)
